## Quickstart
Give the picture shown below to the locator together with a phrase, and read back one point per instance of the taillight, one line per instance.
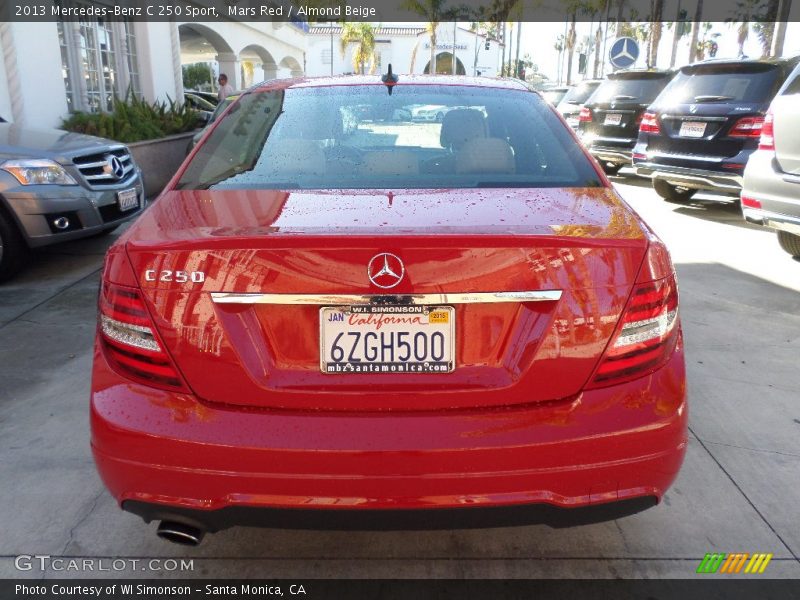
(650, 124)
(648, 330)
(129, 340)
(750, 202)
(747, 127)
(767, 141)
(586, 115)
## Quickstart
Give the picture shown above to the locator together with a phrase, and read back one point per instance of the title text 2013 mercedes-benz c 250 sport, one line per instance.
(334, 316)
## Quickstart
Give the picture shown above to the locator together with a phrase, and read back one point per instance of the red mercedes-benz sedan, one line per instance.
(336, 311)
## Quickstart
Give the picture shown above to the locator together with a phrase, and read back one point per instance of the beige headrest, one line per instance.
(387, 162)
(488, 155)
(461, 125)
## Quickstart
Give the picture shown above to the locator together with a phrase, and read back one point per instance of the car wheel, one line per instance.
(790, 243)
(672, 193)
(13, 250)
(611, 168)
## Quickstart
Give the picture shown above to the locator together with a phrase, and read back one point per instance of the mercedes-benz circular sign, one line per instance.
(624, 52)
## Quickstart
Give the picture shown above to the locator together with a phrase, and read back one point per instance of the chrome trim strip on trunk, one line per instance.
(349, 299)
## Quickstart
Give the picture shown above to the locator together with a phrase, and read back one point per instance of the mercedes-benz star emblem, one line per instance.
(114, 167)
(624, 52)
(385, 270)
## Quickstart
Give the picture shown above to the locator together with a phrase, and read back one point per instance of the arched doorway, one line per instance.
(202, 46)
(444, 65)
(260, 61)
(290, 67)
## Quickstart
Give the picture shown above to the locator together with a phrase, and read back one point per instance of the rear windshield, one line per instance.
(554, 96)
(638, 90)
(581, 92)
(421, 136)
(723, 83)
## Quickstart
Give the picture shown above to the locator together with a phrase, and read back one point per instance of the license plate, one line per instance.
(573, 122)
(127, 199)
(387, 339)
(692, 129)
(613, 119)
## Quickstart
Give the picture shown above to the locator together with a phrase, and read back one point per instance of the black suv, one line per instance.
(609, 121)
(700, 131)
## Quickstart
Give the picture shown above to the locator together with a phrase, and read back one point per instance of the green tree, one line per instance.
(195, 75)
(363, 36)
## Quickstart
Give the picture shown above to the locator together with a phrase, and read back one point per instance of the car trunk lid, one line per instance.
(456, 246)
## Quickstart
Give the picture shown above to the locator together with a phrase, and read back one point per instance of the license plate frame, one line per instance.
(613, 119)
(127, 200)
(385, 321)
(692, 129)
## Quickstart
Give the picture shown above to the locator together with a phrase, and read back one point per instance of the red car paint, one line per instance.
(245, 417)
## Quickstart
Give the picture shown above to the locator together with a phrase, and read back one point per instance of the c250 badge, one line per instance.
(176, 276)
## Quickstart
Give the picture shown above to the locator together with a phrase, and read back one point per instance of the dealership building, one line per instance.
(407, 47)
(50, 69)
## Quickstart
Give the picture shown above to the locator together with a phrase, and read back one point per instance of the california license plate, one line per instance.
(694, 129)
(127, 199)
(613, 119)
(387, 339)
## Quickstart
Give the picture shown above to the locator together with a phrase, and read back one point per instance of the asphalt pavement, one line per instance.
(738, 491)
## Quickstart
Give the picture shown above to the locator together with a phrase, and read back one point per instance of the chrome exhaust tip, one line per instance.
(178, 533)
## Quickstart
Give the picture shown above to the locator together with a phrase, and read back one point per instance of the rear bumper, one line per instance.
(617, 156)
(168, 456)
(692, 178)
(778, 193)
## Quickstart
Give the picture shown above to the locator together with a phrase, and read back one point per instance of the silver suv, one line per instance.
(771, 191)
(57, 186)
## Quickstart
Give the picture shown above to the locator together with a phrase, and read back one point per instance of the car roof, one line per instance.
(454, 80)
(771, 60)
(645, 73)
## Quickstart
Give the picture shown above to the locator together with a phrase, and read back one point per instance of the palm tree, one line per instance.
(433, 13)
(765, 27)
(655, 31)
(746, 10)
(570, 42)
(698, 17)
(363, 36)
(785, 7)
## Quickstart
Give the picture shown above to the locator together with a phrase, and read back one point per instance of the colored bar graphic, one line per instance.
(734, 563)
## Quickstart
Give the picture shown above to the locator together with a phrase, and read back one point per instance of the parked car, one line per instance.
(609, 121)
(555, 94)
(200, 104)
(702, 129)
(220, 108)
(456, 317)
(771, 189)
(574, 100)
(210, 97)
(429, 112)
(57, 186)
